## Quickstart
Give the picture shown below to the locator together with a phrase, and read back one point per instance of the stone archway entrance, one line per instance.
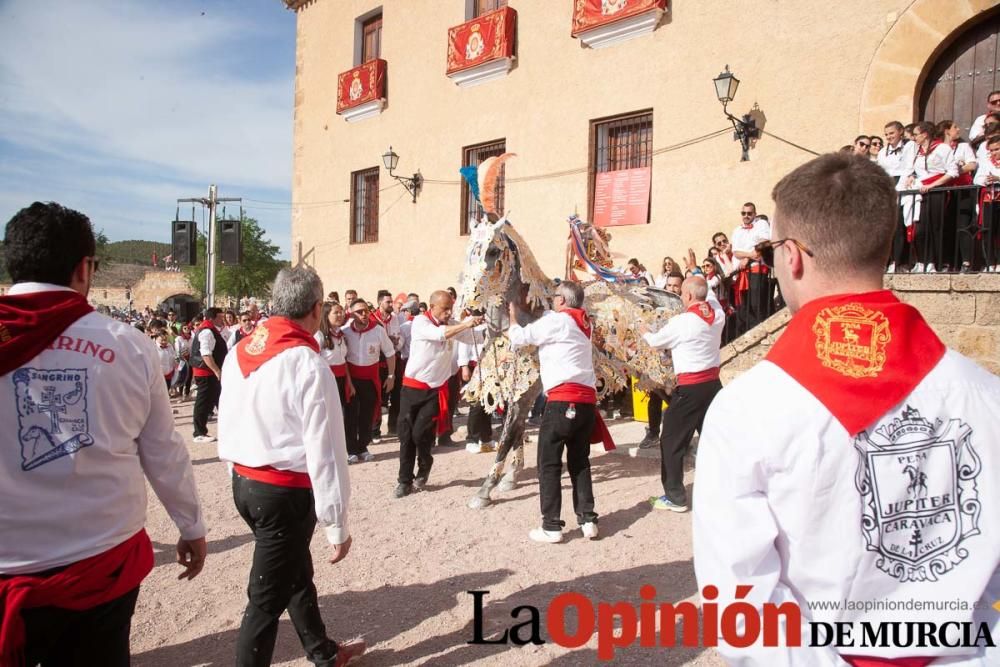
(185, 305)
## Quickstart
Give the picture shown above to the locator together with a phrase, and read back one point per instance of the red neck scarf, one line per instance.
(30, 322)
(703, 310)
(930, 149)
(383, 318)
(372, 323)
(858, 354)
(271, 337)
(207, 324)
(431, 318)
(579, 315)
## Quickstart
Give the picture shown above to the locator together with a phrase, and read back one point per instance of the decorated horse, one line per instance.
(500, 268)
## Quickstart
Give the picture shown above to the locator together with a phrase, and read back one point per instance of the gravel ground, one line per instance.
(403, 585)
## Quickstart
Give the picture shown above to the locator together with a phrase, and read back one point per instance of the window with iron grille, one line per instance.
(621, 142)
(364, 206)
(473, 156)
(371, 38)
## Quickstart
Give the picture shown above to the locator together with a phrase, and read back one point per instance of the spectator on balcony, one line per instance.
(896, 158)
(752, 288)
(668, 267)
(988, 176)
(960, 222)
(930, 170)
(636, 271)
(979, 125)
(876, 144)
(908, 131)
(727, 261)
(862, 145)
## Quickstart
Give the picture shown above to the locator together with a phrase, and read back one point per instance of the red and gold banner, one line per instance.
(622, 197)
(589, 14)
(484, 38)
(362, 84)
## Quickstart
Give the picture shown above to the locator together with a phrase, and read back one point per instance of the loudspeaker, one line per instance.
(230, 242)
(184, 242)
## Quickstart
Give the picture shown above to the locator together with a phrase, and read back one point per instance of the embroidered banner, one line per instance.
(621, 197)
(484, 38)
(589, 14)
(362, 84)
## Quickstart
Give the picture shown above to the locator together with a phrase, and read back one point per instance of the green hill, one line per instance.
(134, 252)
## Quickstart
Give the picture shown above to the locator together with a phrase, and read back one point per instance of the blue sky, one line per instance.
(118, 107)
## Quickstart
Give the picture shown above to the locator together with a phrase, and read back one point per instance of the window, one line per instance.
(474, 8)
(364, 206)
(371, 38)
(473, 156)
(622, 142)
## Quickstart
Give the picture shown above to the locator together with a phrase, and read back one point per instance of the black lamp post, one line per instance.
(412, 185)
(745, 129)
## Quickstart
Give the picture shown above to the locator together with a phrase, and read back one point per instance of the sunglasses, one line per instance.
(244, 321)
(361, 311)
(766, 250)
(746, 214)
(863, 144)
(996, 101)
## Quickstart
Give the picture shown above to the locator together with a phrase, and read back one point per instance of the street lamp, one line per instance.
(745, 129)
(412, 185)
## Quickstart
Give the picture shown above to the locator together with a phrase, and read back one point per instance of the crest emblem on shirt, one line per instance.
(475, 46)
(258, 341)
(52, 419)
(851, 340)
(920, 502)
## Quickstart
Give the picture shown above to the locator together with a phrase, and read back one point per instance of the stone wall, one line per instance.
(964, 310)
(149, 289)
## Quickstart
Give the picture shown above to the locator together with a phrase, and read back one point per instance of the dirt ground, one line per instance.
(403, 585)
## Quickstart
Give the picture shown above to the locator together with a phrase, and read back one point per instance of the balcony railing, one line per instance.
(361, 92)
(600, 23)
(483, 48)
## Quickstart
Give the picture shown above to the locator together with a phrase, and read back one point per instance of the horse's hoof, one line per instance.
(506, 486)
(478, 503)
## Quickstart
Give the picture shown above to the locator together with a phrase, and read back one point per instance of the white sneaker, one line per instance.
(995, 268)
(892, 268)
(931, 269)
(367, 456)
(473, 447)
(918, 268)
(590, 530)
(201, 439)
(352, 459)
(547, 536)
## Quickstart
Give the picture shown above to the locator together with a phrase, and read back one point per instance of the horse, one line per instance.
(500, 269)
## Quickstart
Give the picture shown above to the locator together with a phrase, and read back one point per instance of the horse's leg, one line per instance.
(509, 481)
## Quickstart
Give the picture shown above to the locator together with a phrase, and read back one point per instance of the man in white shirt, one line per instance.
(857, 467)
(208, 353)
(281, 428)
(693, 338)
(425, 394)
(978, 125)
(366, 340)
(387, 317)
(752, 288)
(565, 355)
(87, 424)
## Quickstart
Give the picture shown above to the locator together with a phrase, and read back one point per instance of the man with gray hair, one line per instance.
(565, 355)
(282, 430)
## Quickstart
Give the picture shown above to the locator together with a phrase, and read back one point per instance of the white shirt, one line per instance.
(286, 415)
(392, 327)
(363, 348)
(404, 339)
(744, 239)
(470, 351)
(565, 354)
(937, 163)
(432, 355)
(896, 160)
(57, 508)
(962, 153)
(206, 342)
(780, 494)
(984, 165)
(729, 263)
(693, 343)
(978, 127)
(182, 346)
(335, 356)
(167, 359)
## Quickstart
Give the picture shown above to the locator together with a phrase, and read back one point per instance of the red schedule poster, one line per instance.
(622, 197)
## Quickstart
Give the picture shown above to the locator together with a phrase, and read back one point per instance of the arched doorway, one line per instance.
(185, 305)
(960, 79)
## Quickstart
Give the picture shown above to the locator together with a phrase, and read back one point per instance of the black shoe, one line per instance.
(649, 441)
(419, 482)
(403, 490)
(446, 441)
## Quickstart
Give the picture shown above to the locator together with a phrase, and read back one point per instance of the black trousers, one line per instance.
(930, 229)
(282, 521)
(684, 416)
(360, 416)
(559, 432)
(900, 246)
(655, 412)
(395, 396)
(65, 638)
(207, 400)
(480, 425)
(342, 389)
(417, 410)
(990, 235)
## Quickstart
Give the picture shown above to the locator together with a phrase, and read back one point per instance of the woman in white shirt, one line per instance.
(960, 223)
(333, 348)
(931, 169)
(669, 266)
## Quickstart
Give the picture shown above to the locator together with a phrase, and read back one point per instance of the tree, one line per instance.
(252, 277)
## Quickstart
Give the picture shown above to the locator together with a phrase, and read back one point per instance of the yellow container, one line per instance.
(640, 403)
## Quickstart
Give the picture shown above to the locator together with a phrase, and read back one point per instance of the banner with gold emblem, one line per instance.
(589, 14)
(484, 38)
(361, 84)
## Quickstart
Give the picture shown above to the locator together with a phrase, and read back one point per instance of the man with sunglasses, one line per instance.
(87, 423)
(752, 286)
(979, 125)
(859, 462)
(366, 339)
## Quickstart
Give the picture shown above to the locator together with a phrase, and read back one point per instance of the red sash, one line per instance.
(369, 373)
(268, 475)
(858, 354)
(703, 310)
(443, 418)
(706, 375)
(29, 323)
(271, 337)
(570, 392)
(82, 585)
(861, 661)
